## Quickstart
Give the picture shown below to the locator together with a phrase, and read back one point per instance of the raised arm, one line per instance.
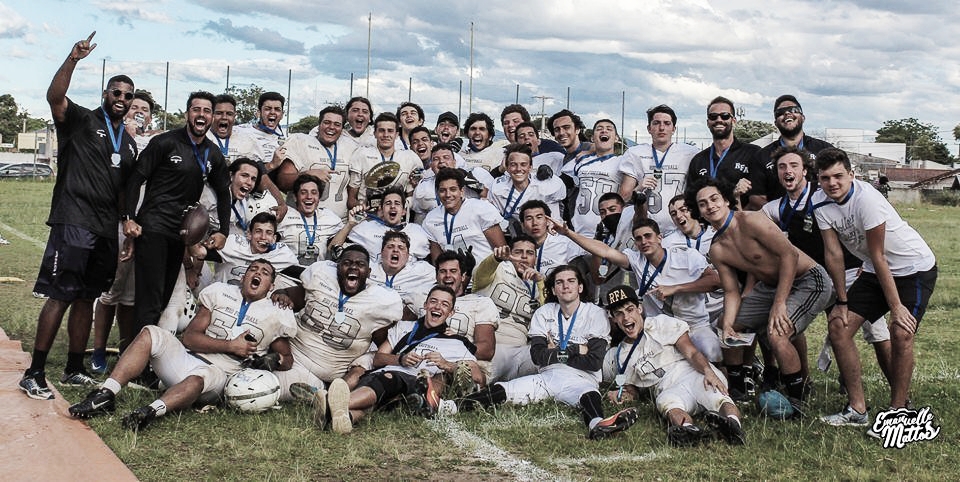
(57, 92)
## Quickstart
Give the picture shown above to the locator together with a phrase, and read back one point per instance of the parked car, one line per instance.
(40, 171)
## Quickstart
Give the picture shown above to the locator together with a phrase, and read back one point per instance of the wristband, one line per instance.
(841, 303)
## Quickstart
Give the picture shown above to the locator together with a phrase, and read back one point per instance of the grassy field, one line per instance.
(545, 441)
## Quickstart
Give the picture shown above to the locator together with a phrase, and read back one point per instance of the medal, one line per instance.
(602, 270)
(808, 223)
(115, 159)
(657, 174)
(562, 356)
(504, 225)
(340, 317)
(621, 379)
(449, 247)
(533, 304)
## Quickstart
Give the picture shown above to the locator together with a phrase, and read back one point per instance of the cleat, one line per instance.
(34, 384)
(685, 435)
(320, 408)
(139, 418)
(338, 403)
(303, 392)
(447, 408)
(432, 396)
(728, 428)
(78, 379)
(417, 404)
(847, 417)
(98, 362)
(97, 402)
(617, 422)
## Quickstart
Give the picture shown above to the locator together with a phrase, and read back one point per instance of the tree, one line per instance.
(922, 140)
(747, 130)
(246, 101)
(304, 125)
(10, 123)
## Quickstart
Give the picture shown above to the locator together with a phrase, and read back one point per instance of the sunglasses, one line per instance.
(120, 93)
(793, 109)
(719, 115)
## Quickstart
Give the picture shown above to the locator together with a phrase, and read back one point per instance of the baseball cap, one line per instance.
(448, 117)
(620, 295)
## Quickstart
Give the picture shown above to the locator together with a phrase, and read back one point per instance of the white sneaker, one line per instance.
(338, 403)
(447, 408)
(848, 417)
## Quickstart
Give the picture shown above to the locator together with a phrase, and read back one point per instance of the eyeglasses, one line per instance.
(719, 115)
(119, 93)
(793, 109)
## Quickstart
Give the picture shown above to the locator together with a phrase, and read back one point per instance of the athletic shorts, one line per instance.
(865, 296)
(173, 363)
(76, 264)
(810, 294)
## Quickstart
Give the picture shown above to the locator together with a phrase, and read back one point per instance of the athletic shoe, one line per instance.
(462, 383)
(320, 408)
(848, 417)
(728, 428)
(138, 419)
(617, 422)
(98, 401)
(3, 241)
(338, 403)
(740, 397)
(34, 384)
(40, 295)
(98, 362)
(872, 433)
(78, 379)
(302, 392)
(417, 404)
(799, 407)
(447, 408)
(432, 396)
(685, 435)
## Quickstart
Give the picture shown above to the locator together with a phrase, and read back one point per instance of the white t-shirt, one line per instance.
(906, 252)
(639, 162)
(326, 346)
(306, 153)
(412, 282)
(595, 176)
(237, 257)
(683, 265)
(296, 231)
(464, 228)
(369, 234)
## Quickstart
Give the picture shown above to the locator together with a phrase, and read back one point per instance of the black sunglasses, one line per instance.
(719, 115)
(118, 93)
(793, 109)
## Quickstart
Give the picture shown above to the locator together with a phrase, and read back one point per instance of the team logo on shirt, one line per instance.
(176, 159)
(101, 133)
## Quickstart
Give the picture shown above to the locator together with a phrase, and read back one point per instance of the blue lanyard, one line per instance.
(114, 139)
(509, 213)
(644, 282)
(715, 166)
(411, 342)
(573, 319)
(799, 146)
(383, 159)
(241, 222)
(389, 279)
(341, 300)
(784, 203)
(224, 147)
(540, 254)
(656, 160)
(244, 304)
(395, 227)
(699, 236)
(623, 368)
(263, 127)
(849, 194)
(333, 157)
(725, 225)
(404, 142)
(532, 286)
(306, 228)
(448, 231)
(577, 167)
(201, 161)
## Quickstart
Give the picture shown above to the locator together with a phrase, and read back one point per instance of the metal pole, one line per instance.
(517, 101)
(351, 85)
(410, 90)
(623, 108)
(369, 36)
(568, 97)
(166, 96)
(103, 76)
(460, 103)
(470, 101)
(289, 87)
(228, 79)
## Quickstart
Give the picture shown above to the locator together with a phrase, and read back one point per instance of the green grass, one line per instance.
(283, 445)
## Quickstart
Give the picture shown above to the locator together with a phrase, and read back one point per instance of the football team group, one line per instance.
(374, 264)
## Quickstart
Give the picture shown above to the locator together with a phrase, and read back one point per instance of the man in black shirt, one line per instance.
(175, 166)
(727, 158)
(788, 117)
(96, 154)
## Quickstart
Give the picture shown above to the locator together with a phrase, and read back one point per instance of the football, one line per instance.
(252, 391)
(195, 224)
(774, 405)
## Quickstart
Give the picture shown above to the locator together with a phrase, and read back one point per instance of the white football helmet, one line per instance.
(251, 390)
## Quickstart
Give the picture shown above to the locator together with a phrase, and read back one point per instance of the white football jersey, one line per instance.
(239, 144)
(553, 159)
(472, 310)
(683, 265)
(512, 296)
(555, 251)
(327, 346)
(488, 159)
(412, 282)
(365, 139)
(241, 211)
(639, 162)
(306, 153)
(464, 228)
(265, 321)
(369, 234)
(656, 359)
(237, 256)
(366, 159)
(266, 142)
(300, 233)
(588, 322)
(507, 199)
(595, 176)
(451, 349)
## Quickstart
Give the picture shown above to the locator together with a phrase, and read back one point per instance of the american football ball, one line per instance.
(774, 405)
(195, 224)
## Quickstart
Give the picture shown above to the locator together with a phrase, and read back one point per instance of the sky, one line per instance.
(851, 64)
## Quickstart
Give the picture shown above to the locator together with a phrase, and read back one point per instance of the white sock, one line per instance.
(159, 406)
(735, 418)
(594, 422)
(112, 385)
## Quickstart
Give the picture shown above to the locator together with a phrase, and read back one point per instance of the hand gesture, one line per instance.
(83, 48)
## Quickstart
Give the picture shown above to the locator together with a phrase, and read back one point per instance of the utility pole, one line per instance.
(543, 101)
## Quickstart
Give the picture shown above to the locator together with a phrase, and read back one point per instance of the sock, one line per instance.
(794, 384)
(39, 361)
(771, 375)
(112, 385)
(736, 418)
(101, 352)
(74, 363)
(484, 398)
(591, 408)
(159, 407)
(735, 374)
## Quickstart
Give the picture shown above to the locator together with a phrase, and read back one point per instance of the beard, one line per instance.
(722, 134)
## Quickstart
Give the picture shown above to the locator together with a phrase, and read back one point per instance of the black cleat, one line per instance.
(728, 428)
(685, 435)
(97, 402)
(617, 422)
(139, 418)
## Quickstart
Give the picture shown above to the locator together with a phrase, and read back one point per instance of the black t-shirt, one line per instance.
(804, 232)
(734, 166)
(763, 173)
(175, 181)
(89, 183)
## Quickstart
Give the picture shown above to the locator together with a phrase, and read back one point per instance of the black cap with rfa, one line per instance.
(620, 295)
